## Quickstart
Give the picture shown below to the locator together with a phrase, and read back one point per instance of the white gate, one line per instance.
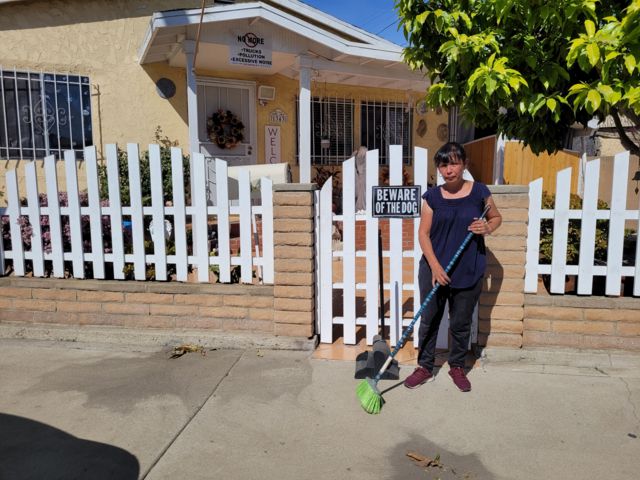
(358, 263)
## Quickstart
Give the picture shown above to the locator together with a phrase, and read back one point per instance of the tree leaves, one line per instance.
(547, 64)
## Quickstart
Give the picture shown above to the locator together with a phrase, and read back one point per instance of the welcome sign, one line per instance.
(396, 201)
(247, 48)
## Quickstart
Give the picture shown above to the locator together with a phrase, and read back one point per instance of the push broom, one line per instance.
(367, 391)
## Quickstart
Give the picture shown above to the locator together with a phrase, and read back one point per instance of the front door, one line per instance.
(236, 98)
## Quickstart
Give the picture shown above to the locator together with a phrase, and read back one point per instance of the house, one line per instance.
(292, 84)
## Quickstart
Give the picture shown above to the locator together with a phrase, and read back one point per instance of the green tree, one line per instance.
(530, 68)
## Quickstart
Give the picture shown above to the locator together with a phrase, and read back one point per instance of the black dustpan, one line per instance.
(369, 363)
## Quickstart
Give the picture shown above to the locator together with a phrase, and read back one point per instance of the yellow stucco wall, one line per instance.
(100, 40)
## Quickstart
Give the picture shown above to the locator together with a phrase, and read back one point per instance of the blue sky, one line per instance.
(375, 16)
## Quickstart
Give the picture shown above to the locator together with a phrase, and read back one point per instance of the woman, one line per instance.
(449, 212)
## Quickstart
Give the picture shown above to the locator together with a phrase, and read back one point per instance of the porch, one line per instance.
(307, 88)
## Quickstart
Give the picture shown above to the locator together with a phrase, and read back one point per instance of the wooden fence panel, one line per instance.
(481, 154)
(522, 166)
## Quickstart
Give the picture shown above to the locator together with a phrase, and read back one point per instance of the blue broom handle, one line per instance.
(433, 291)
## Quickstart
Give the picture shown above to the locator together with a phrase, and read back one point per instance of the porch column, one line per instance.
(304, 129)
(189, 48)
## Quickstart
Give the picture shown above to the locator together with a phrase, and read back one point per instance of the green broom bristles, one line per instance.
(370, 397)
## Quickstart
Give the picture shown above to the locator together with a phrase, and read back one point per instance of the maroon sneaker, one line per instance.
(460, 379)
(419, 376)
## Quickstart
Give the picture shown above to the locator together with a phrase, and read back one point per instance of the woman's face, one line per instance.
(452, 170)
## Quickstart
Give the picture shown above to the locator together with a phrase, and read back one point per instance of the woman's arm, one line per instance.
(492, 220)
(424, 235)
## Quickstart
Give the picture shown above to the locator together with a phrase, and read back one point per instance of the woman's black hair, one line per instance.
(448, 152)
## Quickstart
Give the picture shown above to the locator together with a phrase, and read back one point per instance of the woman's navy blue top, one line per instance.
(449, 227)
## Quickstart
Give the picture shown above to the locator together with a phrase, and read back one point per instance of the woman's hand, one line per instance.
(480, 227)
(439, 275)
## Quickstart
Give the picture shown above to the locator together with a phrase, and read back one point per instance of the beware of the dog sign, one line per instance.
(396, 201)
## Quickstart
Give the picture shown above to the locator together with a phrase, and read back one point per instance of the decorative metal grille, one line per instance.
(386, 123)
(334, 132)
(43, 114)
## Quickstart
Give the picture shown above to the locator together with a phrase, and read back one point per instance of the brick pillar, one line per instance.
(501, 310)
(294, 259)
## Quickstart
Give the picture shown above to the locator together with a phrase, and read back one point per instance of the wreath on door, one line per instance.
(225, 129)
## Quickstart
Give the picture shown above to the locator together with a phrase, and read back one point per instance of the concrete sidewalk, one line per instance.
(95, 411)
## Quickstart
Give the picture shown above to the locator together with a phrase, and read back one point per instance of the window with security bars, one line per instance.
(331, 130)
(43, 114)
(385, 123)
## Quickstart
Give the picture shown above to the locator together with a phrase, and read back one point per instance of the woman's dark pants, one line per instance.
(462, 302)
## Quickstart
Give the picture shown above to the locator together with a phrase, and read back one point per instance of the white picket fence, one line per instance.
(617, 215)
(198, 216)
(397, 290)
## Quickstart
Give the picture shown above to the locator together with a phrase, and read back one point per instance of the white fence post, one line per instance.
(244, 191)
(349, 251)
(222, 206)
(266, 195)
(75, 218)
(199, 218)
(137, 218)
(158, 214)
(560, 231)
(179, 214)
(533, 237)
(395, 250)
(33, 199)
(421, 177)
(588, 227)
(115, 209)
(55, 228)
(326, 262)
(616, 223)
(372, 268)
(13, 210)
(95, 212)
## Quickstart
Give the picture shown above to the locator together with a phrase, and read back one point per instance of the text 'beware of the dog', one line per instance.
(396, 201)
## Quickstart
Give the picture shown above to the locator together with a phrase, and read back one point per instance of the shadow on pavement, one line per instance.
(31, 450)
(420, 458)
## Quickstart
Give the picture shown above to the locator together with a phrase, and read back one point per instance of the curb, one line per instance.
(562, 357)
(150, 337)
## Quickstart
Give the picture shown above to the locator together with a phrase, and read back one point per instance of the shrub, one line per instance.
(145, 175)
